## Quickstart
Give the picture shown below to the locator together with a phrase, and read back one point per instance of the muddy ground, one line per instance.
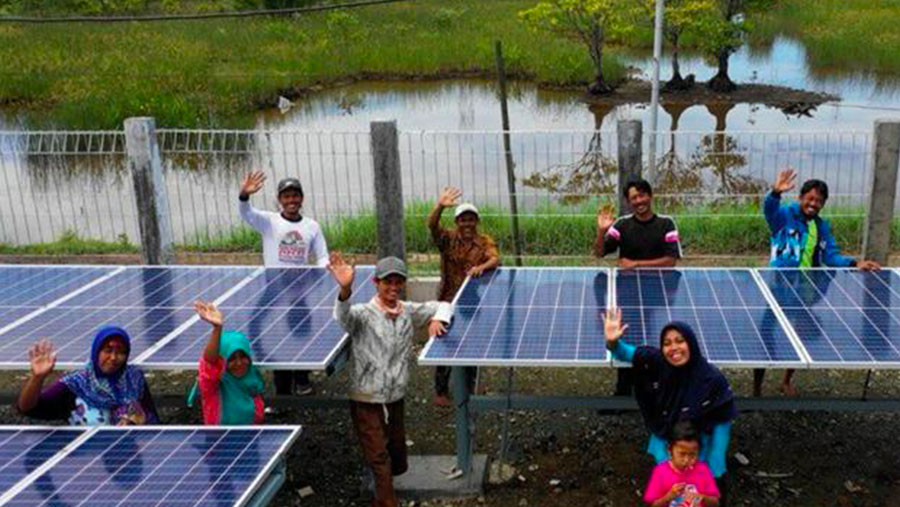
(795, 458)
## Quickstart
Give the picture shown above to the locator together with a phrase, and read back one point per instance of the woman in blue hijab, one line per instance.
(674, 382)
(107, 391)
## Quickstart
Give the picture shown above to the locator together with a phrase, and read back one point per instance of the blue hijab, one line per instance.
(106, 391)
(696, 391)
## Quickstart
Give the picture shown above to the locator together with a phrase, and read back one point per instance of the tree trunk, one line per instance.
(599, 86)
(677, 82)
(721, 82)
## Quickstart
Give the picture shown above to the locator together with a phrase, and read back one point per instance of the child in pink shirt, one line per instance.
(682, 481)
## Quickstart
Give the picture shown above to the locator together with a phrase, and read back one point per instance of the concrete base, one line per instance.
(426, 479)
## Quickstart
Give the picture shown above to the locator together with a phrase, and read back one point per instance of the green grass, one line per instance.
(218, 73)
(849, 34)
(71, 244)
(552, 234)
(561, 234)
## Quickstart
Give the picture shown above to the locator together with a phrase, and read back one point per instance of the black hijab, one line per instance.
(696, 391)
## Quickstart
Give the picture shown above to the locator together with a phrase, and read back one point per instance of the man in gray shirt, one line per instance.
(381, 340)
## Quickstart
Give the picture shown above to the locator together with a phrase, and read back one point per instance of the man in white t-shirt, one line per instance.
(289, 239)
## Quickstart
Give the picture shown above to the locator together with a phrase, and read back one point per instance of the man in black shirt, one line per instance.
(643, 239)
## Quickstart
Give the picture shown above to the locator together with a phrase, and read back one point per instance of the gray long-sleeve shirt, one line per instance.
(381, 347)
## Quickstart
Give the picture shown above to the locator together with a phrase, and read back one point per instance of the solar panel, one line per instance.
(207, 466)
(149, 302)
(24, 449)
(26, 289)
(526, 317)
(842, 317)
(734, 322)
(287, 315)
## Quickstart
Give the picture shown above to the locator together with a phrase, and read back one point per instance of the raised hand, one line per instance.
(42, 358)
(341, 271)
(605, 218)
(865, 265)
(436, 328)
(252, 183)
(613, 327)
(449, 197)
(785, 182)
(209, 313)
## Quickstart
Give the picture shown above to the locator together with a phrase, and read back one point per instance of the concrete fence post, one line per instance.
(144, 162)
(880, 216)
(629, 133)
(388, 189)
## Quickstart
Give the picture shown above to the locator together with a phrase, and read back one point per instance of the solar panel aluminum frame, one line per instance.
(801, 353)
(423, 360)
(812, 364)
(75, 444)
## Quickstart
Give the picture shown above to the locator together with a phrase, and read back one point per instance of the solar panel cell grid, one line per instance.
(841, 317)
(527, 317)
(733, 321)
(201, 466)
(24, 450)
(149, 302)
(286, 314)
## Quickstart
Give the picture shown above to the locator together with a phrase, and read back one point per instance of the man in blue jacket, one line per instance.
(801, 239)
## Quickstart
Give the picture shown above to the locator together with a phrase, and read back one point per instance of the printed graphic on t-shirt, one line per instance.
(688, 499)
(292, 248)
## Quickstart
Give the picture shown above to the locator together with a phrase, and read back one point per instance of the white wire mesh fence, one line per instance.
(77, 183)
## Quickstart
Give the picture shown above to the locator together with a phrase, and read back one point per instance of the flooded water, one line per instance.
(562, 149)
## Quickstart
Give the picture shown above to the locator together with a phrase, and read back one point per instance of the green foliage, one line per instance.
(723, 33)
(589, 22)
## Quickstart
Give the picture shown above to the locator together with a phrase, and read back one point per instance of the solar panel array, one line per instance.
(214, 466)
(528, 317)
(742, 317)
(512, 316)
(285, 312)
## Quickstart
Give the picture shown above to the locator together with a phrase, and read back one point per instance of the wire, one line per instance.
(192, 17)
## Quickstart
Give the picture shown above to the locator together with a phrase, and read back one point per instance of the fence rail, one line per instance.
(78, 183)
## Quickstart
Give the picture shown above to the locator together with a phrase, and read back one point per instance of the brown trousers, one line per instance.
(383, 445)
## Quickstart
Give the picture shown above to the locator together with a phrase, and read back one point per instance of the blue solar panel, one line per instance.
(286, 314)
(527, 317)
(161, 466)
(23, 450)
(841, 317)
(734, 322)
(149, 302)
(24, 289)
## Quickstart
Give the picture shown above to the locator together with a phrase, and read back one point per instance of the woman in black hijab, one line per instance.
(675, 382)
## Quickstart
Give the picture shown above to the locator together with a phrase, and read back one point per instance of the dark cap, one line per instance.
(290, 184)
(390, 266)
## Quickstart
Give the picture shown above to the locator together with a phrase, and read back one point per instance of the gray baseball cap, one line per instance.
(290, 184)
(390, 266)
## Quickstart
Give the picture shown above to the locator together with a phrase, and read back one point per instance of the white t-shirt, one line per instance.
(286, 243)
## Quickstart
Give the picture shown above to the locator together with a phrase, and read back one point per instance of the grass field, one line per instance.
(218, 73)
(848, 34)
(553, 234)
